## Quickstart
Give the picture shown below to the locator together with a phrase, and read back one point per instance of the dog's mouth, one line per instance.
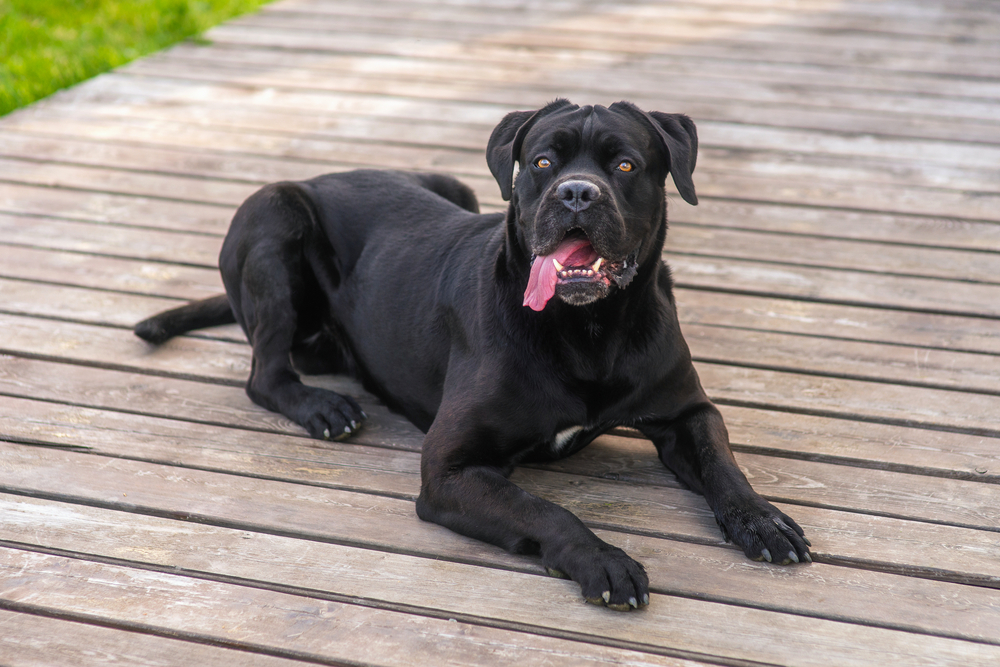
(576, 273)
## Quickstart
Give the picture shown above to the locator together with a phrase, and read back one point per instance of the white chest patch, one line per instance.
(564, 437)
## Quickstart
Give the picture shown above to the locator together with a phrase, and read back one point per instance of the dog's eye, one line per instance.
(542, 163)
(625, 166)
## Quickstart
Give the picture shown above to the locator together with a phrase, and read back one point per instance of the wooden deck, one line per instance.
(839, 285)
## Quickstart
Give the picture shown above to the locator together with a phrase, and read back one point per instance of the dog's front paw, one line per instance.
(607, 575)
(763, 532)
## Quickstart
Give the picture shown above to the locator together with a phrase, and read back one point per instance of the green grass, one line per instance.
(46, 45)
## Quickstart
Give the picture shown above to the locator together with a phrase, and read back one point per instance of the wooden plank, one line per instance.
(149, 278)
(849, 399)
(507, 66)
(500, 66)
(972, 334)
(139, 393)
(696, 570)
(81, 141)
(102, 308)
(969, 334)
(774, 107)
(184, 356)
(899, 328)
(732, 274)
(819, 222)
(900, 18)
(313, 110)
(78, 304)
(30, 640)
(745, 214)
(630, 460)
(851, 288)
(375, 117)
(879, 446)
(225, 362)
(299, 102)
(897, 364)
(884, 543)
(110, 240)
(908, 277)
(630, 30)
(941, 263)
(458, 588)
(725, 178)
(113, 208)
(117, 181)
(486, 47)
(303, 630)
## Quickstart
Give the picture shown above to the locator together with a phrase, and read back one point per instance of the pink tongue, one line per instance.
(542, 281)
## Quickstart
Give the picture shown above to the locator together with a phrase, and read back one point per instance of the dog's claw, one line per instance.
(607, 596)
(645, 600)
(807, 558)
(326, 433)
(766, 555)
(635, 603)
(792, 557)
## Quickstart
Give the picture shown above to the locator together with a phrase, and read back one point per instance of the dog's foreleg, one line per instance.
(696, 447)
(479, 501)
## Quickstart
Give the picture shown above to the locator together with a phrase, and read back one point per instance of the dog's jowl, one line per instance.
(504, 337)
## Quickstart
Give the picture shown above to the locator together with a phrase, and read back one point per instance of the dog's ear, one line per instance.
(679, 139)
(504, 147)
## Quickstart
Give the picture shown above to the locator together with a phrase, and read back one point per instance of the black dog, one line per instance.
(449, 316)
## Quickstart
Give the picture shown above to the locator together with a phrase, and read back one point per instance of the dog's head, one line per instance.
(588, 204)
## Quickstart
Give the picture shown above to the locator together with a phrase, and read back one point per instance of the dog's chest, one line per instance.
(564, 439)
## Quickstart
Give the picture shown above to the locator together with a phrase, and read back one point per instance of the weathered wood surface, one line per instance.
(838, 286)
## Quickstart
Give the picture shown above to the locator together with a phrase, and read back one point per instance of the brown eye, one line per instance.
(542, 163)
(625, 166)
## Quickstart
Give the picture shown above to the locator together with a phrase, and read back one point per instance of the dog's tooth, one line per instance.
(597, 264)
(559, 267)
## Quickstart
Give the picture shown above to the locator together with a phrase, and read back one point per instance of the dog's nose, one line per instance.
(577, 195)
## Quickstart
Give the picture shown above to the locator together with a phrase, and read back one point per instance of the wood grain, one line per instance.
(519, 598)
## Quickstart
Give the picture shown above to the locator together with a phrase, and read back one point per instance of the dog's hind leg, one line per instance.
(450, 188)
(277, 300)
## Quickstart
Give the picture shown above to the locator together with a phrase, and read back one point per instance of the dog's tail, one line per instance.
(195, 315)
